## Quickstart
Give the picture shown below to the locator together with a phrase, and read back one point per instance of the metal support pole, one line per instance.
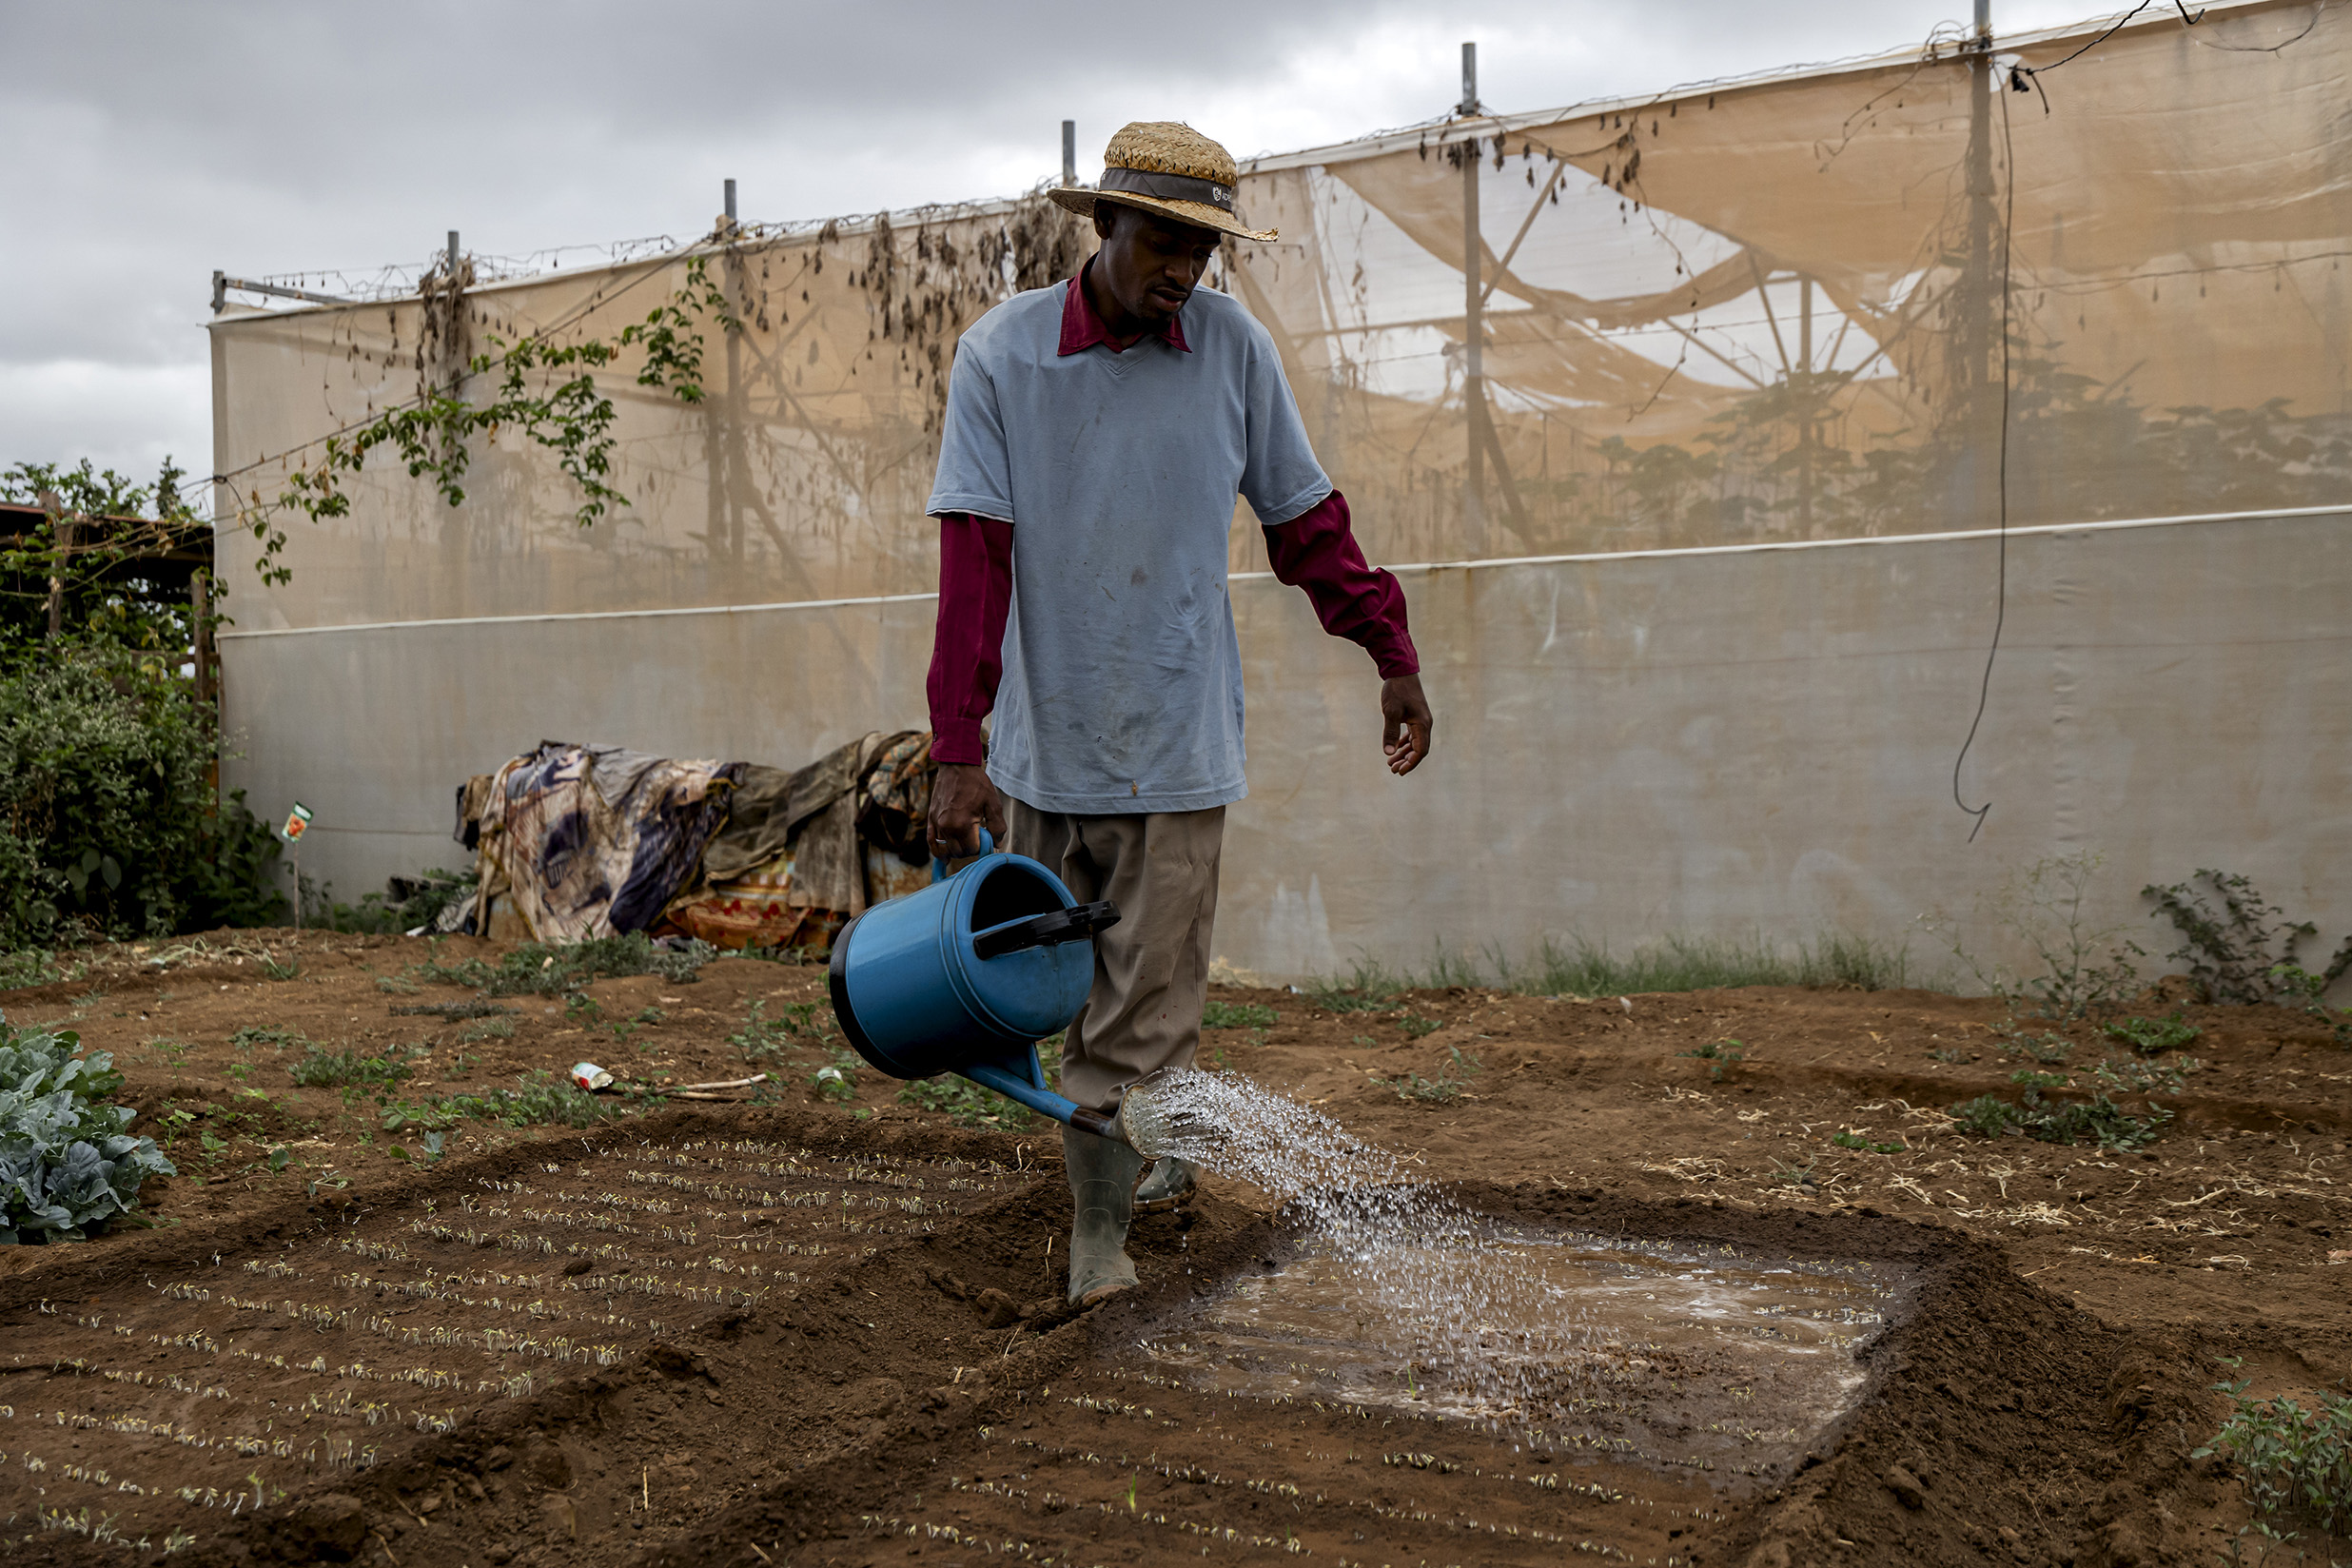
(1069, 153)
(453, 253)
(730, 207)
(1474, 326)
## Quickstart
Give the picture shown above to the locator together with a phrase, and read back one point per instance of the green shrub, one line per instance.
(108, 825)
(67, 1166)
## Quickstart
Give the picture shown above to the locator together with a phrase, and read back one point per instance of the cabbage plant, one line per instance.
(66, 1164)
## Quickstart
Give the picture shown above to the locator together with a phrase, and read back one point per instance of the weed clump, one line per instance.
(1367, 988)
(1235, 1015)
(2098, 1119)
(543, 969)
(537, 1099)
(1452, 1082)
(1834, 961)
(322, 1068)
(2153, 1036)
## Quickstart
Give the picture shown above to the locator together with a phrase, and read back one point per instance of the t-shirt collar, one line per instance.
(1082, 328)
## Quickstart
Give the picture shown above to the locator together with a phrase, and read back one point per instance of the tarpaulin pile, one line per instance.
(576, 841)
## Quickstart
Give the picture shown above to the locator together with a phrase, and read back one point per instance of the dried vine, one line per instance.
(572, 418)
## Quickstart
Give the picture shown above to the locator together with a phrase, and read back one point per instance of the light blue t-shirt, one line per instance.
(1122, 689)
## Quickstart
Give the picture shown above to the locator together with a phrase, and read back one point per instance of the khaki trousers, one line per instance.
(1151, 968)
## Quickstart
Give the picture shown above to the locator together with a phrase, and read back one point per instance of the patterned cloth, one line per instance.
(594, 841)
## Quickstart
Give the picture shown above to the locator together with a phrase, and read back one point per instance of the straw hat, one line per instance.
(1169, 168)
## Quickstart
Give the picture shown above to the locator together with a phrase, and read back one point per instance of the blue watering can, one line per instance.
(969, 974)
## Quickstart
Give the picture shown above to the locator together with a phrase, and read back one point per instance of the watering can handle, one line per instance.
(939, 867)
(1046, 931)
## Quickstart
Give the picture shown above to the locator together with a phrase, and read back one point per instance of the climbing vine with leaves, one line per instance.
(572, 418)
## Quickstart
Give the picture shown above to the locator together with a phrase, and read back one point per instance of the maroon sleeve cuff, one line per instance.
(975, 597)
(1316, 551)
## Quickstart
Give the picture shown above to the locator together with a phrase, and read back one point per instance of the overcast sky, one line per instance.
(143, 145)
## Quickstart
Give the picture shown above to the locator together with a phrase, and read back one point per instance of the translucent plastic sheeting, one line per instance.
(1888, 300)
(1751, 743)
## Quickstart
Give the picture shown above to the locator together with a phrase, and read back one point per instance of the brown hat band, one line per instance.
(1168, 188)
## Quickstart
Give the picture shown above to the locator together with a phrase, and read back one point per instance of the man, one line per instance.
(1097, 433)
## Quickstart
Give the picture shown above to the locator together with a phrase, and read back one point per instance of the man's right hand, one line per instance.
(963, 800)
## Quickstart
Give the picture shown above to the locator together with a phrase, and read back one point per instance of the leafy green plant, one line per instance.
(2154, 1036)
(485, 1028)
(1414, 1026)
(67, 1166)
(1452, 1082)
(2235, 953)
(1235, 1015)
(2294, 1463)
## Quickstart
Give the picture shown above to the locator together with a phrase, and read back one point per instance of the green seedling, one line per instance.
(1719, 1055)
(1948, 1054)
(1237, 1015)
(272, 970)
(1414, 1026)
(396, 985)
(262, 1034)
(836, 1081)
(2146, 1077)
(966, 1103)
(1851, 1140)
(1452, 1082)
(2027, 1078)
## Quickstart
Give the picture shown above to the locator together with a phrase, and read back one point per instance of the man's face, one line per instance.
(1150, 264)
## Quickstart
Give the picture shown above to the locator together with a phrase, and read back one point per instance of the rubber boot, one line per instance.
(1102, 1191)
(1169, 1185)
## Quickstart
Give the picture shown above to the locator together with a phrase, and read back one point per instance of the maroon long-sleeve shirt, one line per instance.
(1315, 551)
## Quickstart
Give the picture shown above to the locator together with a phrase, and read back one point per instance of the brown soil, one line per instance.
(792, 1333)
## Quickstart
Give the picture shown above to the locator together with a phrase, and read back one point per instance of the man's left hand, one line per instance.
(1405, 723)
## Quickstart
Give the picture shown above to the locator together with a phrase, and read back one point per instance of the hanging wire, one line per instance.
(2000, 613)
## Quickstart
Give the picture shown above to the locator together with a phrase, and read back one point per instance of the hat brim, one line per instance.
(1198, 214)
